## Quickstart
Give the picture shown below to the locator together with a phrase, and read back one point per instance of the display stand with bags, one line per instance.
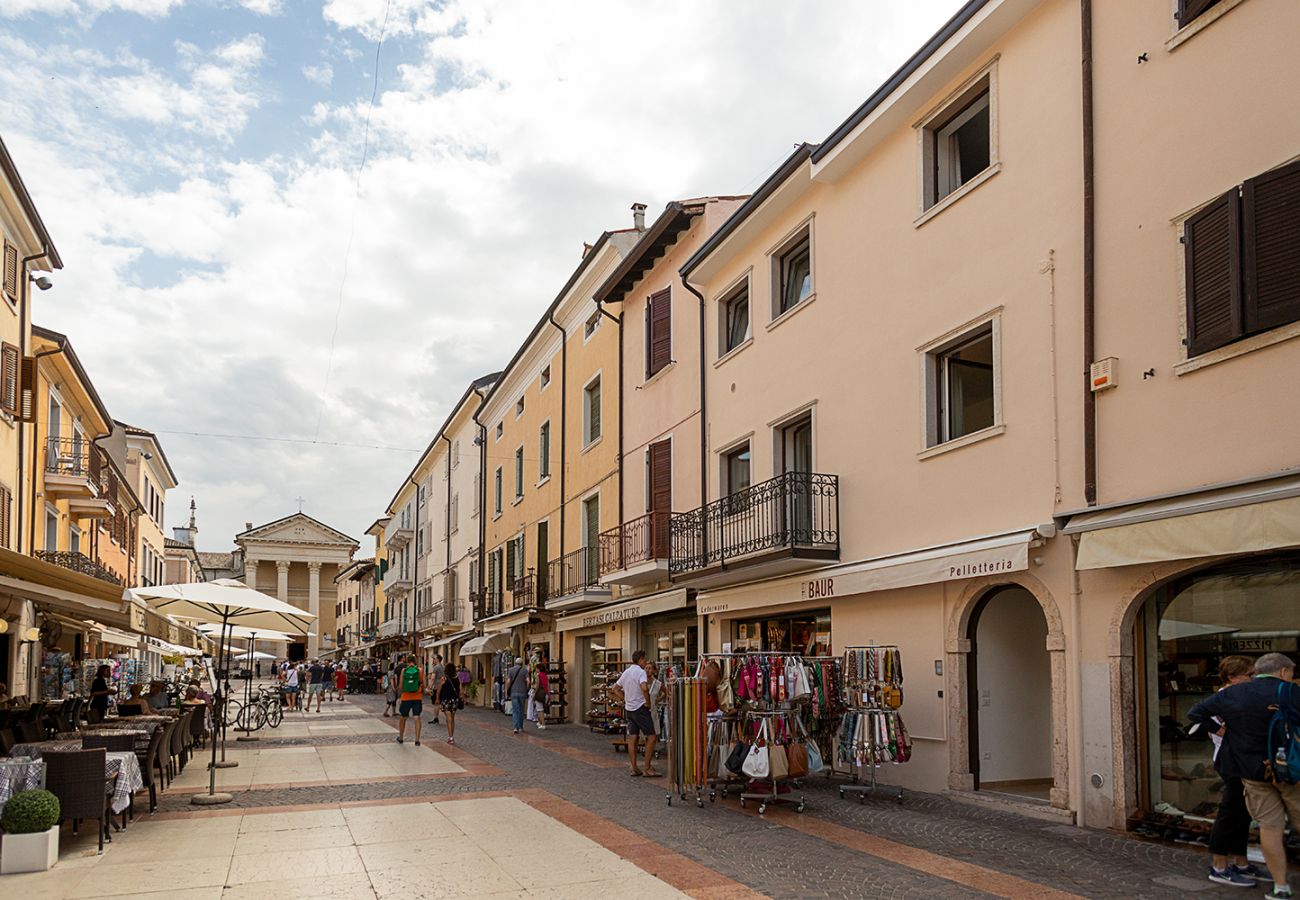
(871, 731)
(775, 758)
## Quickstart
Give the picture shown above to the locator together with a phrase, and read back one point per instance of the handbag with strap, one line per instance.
(813, 754)
(735, 761)
(778, 761)
(796, 757)
(757, 763)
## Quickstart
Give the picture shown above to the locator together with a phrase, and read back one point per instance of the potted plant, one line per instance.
(31, 824)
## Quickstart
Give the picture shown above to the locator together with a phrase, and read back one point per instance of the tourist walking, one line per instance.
(390, 692)
(634, 688)
(1246, 711)
(341, 679)
(449, 699)
(516, 689)
(412, 698)
(540, 692)
(316, 684)
(435, 677)
(291, 686)
(1231, 831)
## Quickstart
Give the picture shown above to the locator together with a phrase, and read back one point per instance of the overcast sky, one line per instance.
(197, 163)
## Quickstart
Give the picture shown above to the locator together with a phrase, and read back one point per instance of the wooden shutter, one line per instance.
(659, 331)
(1213, 260)
(661, 496)
(9, 362)
(593, 412)
(510, 563)
(6, 501)
(27, 389)
(11, 271)
(1270, 220)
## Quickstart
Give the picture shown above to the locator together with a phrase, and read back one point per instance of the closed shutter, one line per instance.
(661, 496)
(9, 362)
(1270, 219)
(11, 271)
(510, 563)
(1212, 239)
(6, 501)
(27, 389)
(659, 332)
(593, 412)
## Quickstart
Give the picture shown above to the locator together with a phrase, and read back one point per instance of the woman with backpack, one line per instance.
(449, 699)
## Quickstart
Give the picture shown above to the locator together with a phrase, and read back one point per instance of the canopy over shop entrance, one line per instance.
(487, 644)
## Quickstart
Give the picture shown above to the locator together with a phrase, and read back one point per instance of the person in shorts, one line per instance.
(410, 681)
(633, 684)
(449, 698)
(316, 683)
(291, 687)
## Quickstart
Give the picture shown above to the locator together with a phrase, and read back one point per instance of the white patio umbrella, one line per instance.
(225, 602)
(249, 654)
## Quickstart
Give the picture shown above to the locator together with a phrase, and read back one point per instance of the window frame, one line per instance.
(498, 491)
(589, 439)
(544, 378)
(799, 241)
(544, 452)
(941, 115)
(519, 473)
(519, 406)
(932, 439)
(591, 325)
(725, 302)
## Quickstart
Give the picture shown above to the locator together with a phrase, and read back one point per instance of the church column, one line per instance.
(250, 572)
(282, 580)
(313, 604)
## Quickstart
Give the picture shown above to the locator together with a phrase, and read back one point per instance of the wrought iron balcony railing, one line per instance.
(643, 539)
(797, 511)
(523, 591)
(574, 572)
(486, 604)
(79, 562)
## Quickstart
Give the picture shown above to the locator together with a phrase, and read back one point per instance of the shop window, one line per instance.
(1184, 633)
(808, 634)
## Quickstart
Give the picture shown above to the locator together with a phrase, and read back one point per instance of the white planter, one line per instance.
(29, 852)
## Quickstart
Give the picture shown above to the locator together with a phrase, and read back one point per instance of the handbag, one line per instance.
(757, 763)
(735, 761)
(778, 762)
(813, 755)
(726, 696)
(796, 758)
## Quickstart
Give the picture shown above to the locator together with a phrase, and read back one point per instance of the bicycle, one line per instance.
(265, 709)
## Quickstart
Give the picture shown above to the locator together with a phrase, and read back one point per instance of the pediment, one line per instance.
(298, 528)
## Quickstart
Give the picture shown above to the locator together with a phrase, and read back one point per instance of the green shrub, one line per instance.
(29, 812)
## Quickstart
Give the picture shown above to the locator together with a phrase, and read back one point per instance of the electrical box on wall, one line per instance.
(1104, 375)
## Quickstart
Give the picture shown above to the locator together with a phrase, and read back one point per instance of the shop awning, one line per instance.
(515, 619)
(486, 644)
(161, 646)
(452, 638)
(80, 596)
(628, 609)
(1222, 522)
(120, 638)
(994, 555)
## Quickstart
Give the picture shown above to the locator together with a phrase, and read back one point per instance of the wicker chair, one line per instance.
(114, 743)
(93, 716)
(7, 740)
(77, 778)
(163, 759)
(34, 713)
(199, 727)
(148, 764)
(30, 732)
(178, 751)
(74, 714)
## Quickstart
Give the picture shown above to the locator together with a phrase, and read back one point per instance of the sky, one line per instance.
(266, 235)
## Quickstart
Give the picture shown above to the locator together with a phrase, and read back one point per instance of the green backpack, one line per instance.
(411, 680)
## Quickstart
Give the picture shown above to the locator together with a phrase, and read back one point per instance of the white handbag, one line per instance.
(756, 764)
(802, 684)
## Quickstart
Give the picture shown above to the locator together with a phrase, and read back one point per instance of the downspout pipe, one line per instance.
(482, 492)
(24, 317)
(564, 420)
(618, 320)
(704, 404)
(1089, 261)
(448, 508)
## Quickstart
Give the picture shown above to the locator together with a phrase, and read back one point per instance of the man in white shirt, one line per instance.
(634, 687)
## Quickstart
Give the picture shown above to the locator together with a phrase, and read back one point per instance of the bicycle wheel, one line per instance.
(274, 713)
(233, 710)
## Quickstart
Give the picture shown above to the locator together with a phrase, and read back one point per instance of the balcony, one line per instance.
(397, 582)
(79, 562)
(777, 526)
(485, 605)
(573, 581)
(399, 537)
(442, 615)
(523, 592)
(71, 468)
(636, 552)
(390, 629)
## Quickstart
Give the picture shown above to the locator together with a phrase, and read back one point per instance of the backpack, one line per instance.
(1283, 763)
(410, 680)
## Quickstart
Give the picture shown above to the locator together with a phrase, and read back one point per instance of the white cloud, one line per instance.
(510, 134)
(12, 9)
(263, 7)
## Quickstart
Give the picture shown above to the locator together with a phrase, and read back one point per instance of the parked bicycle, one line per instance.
(265, 709)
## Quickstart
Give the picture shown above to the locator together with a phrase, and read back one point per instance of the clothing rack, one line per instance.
(789, 727)
(871, 732)
(686, 740)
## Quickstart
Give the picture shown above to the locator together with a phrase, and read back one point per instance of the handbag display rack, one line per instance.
(871, 731)
(686, 739)
(776, 755)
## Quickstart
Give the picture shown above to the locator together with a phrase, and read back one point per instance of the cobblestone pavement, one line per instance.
(926, 846)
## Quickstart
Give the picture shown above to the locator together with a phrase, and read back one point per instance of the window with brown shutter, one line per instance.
(1242, 263)
(1189, 10)
(11, 272)
(659, 332)
(27, 389)
(9, 362)
(6, 502)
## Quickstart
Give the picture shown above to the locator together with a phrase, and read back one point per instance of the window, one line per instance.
(455, 513)
(735, 469)
(11, 272)
(592, 324)
(51, 530)
(658, 332)
(478, 492)
(958, 141)
(735, 314)
(545, 378)
(497, 492)
(544, 451)
(519, 407)
(591, 412)
(519, 473)
(794, 274)
(962, 374)
(455, 453)
(6, 516)
(1240, 261)
(421, 495)
(9, 359)
(501, 429)
(1189, 10)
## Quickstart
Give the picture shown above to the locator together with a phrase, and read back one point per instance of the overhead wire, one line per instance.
(286, 440)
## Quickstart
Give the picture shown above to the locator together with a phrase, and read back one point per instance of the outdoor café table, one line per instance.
(141, 735)
(20, 774)
(123, 764)
(37, 749)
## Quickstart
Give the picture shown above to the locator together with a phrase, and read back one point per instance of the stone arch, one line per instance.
(957, 647)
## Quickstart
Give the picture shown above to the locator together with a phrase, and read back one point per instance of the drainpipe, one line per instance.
(564, 419)
(618, 320)
(448, 508)
(31, 515)
(23, 319)
(482, 495)
(704, 405)
(1089, 251)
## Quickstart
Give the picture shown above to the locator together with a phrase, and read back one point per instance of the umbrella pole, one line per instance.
(212, 798)
(225, 763)
(248, 692)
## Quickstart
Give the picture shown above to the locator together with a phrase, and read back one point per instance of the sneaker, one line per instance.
(1231, 877)
(516, 731)
(1250, 870)
(399, 739)
(417, 743)
(1279, 892)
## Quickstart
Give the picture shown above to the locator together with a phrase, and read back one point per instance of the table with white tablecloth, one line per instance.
(122, 764)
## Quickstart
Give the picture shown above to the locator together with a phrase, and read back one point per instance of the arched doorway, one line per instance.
(1009, 695)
